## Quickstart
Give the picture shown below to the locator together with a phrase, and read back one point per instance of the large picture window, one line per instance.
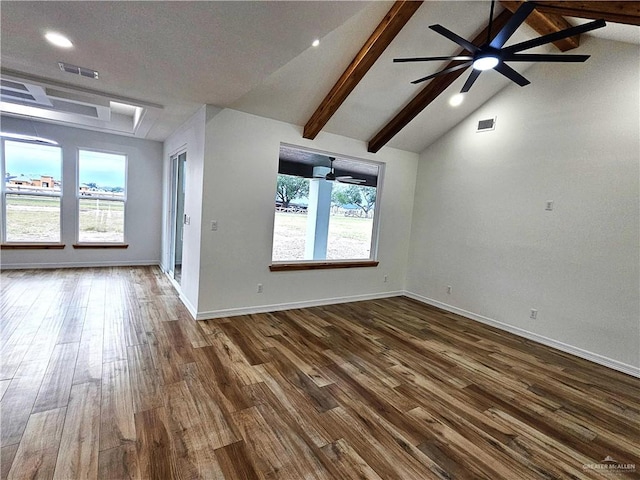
(101, 197)
(32, 192)
(325, 207)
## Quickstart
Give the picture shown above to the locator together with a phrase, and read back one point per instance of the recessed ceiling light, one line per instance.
(58, 40)
(456, 99)
(315, 43)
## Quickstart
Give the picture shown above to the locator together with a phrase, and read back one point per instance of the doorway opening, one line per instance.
(178, 219)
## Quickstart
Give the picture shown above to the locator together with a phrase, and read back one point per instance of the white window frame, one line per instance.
(122, 199)
(4, 191)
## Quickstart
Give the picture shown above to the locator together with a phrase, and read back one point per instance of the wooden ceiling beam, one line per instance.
(389, 27)
(545, 23)
(429, 93)
(627, 12)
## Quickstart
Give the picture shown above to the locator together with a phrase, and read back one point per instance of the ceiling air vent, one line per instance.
(82, 71)
(487, 125)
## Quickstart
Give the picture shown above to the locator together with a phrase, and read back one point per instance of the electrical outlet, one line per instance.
(259, 288)
(449, 289)
(549, 205)
(214, 225)
(386, 278)
(534, 314)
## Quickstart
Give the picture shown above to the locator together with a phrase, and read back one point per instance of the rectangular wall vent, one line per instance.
(486, 125)
(82, 71)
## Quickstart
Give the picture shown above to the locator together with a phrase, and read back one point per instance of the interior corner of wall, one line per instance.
(211, 111)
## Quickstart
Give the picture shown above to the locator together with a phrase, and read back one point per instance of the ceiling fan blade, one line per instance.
(512, 25)
(466, 44)
(470, 81)
(429, 59)
(532, 57)
(354, 181)
(511, 74)
(442, 72)
(552, 37)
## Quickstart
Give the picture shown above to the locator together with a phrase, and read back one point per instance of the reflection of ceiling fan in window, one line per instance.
(331, 176)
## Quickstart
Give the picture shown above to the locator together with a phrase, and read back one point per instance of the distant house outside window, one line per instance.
(31, 192)
(101, 197)
(320, 218)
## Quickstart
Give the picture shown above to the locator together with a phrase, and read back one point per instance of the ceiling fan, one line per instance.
(493, 54)
(331, 176)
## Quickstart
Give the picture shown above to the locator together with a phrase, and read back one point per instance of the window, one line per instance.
(31, 192)
(325, 208)
(101, 197)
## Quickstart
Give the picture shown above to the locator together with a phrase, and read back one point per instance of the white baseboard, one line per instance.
(232, 312)
(192, 310)
(189, 306)
(564, 347)
(32, 266)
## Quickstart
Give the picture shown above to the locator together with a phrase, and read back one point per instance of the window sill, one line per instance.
(32, 246)
(287, 267)
(100, 245)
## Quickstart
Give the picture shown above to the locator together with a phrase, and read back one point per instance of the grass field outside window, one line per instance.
(349, 237)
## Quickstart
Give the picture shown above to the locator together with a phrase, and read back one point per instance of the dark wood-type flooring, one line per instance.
(105, 375)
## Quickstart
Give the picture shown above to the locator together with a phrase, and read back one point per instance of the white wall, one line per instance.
(190, 137)
(480, 225)
(143, 209)
(241, 166)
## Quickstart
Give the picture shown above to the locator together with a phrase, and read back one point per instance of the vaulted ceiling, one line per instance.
(169, 58)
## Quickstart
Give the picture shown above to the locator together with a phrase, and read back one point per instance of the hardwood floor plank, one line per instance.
(78, 454)
(114, 346)
(191, 330)
(252, 350)
(292, 404)
(348, 462)
(89, 361)
(56, 385)
(7, 454)
(117, 423)
(71, 331)
(222, 378)
(233, 359)
(38, 449)
(145, 381)
(235, 463)
(190, 447)
(119, 463)
(153, 446)
(214, 417)
(267, 453)
(302, 361)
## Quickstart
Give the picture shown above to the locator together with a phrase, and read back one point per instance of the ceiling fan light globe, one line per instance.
(485, 63)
